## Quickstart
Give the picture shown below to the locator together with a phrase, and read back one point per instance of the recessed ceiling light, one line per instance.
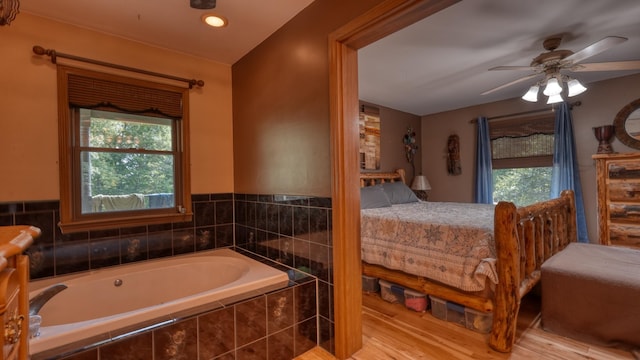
(214, 20)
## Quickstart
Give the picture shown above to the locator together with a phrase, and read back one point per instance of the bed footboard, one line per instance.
(525, 237)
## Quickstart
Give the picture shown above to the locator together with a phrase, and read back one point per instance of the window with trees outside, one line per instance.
(123, 151)
(522, 158)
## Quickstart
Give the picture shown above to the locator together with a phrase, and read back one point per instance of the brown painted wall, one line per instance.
(281, 105)
(600, 104)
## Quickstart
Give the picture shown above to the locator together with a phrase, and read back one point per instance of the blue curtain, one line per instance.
(484, 177)
(565, 174)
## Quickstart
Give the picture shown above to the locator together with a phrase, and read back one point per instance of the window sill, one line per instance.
(120, 222)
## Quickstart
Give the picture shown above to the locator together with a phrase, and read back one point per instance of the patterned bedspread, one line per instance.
(448, 242)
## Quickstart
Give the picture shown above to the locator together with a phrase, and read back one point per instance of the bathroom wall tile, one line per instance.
(205, 238)
(318, 225)
(44, 220)
(251, 322)
(183, 241)
(240, 212)
(71, 253)
(138, 347)
(261, 216)
(324, 299)
(41, 261)
(35, 206)
(11, 207)
(285, 218)
(204, 213)
(222, 196)
(160, 244)
(305, 299)
(280, 314)
(281, 345)
(265, 198)
(319, 260)
(86, 355)
(133, 248)
(302, 255)
(320, 202)
(216, 333)
(104, 252)
(272, 218)
(254, 351)
(305, 336)
(301, 222)
(176, 342)
(224, 212)
(224, 235)
(6, 219)
(200, 198)
(228, 356)
(326, 333)
(251, 214)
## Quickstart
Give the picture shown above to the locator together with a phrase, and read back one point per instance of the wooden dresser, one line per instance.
(618, 182)
(14, 291)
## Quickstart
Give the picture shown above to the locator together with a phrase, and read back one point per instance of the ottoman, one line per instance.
(592, 293)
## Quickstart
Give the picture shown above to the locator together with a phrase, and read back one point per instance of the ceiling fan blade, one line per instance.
(595, 48)
(512, 68)
(608, 66)
(510, 83)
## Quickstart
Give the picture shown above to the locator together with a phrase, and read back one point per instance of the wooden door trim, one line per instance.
(382, 20)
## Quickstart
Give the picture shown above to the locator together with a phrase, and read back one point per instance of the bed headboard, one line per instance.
(373, 178)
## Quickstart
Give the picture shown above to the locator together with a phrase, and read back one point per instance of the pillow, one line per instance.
(372, 197)
(399, 193)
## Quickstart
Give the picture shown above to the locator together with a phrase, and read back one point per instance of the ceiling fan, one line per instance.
(554, 64)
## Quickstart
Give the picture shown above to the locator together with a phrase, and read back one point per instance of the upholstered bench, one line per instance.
(592, 293)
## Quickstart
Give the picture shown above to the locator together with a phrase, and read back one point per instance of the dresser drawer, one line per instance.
(624, 213)
(624, 191)
(624, 169)
(624, 234)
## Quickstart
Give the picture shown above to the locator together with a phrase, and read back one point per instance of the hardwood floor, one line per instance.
(390, 331)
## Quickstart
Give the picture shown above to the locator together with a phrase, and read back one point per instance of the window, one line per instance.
(522, 158)
(123, 151)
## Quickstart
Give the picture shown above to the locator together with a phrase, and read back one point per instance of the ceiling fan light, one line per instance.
(575, 87)
(552, 88)
(555, 99)
(532, 94)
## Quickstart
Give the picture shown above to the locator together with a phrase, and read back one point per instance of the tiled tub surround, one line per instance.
(295, 231)
(279, 325)
(98, 304)
(55, 254)
(309, 233)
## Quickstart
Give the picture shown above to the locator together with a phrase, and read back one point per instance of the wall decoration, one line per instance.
(369, 125)
(453, 155)
(410, 147)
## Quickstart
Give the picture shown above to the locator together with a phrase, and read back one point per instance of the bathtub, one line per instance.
(107, 304)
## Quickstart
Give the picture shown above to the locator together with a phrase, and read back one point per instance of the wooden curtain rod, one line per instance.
(571, 105)
(39, 50)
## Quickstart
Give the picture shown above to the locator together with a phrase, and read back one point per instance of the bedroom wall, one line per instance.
(28, 98)
(393, 127)
(600, 104)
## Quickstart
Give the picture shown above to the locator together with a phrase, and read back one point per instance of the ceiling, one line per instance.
(442, 62)
(435, 65)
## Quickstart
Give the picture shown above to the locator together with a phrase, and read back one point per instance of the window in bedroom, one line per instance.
(123, 151)
(522, 153)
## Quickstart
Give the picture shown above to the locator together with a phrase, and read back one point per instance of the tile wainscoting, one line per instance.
(293, 231)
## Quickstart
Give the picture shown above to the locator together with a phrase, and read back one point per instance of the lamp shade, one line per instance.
(555, 99)
(553, 87)
(532, 94)
(575, 87)
(421, 183)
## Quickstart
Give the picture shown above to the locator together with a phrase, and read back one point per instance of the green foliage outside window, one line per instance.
(522, 186)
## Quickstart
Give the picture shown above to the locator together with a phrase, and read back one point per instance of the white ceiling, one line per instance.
(441, 63)
(435, 65)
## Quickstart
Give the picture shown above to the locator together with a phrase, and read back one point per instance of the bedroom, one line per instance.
(264, 130)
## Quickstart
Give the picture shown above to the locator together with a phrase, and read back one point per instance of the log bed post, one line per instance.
(507, 298)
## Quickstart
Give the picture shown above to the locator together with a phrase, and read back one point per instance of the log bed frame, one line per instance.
(525, 237)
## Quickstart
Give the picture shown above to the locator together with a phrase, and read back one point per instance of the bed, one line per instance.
(494, 252)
